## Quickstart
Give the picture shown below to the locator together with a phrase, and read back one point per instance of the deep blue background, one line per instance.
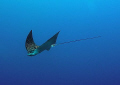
(90, 62)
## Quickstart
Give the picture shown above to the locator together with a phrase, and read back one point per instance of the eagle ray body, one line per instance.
(33, 49)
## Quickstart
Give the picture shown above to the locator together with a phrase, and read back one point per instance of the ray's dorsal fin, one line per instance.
(29, 44)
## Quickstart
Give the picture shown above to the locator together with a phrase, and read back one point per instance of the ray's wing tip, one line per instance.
(30, 31)
(58, 32)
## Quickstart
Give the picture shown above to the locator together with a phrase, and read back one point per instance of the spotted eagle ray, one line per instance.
(34, 49)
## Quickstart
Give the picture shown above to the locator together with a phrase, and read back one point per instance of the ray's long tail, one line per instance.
(75, 41)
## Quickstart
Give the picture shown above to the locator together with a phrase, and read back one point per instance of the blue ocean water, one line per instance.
(89, 62)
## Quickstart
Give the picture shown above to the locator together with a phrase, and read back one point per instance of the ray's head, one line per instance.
(33, 53)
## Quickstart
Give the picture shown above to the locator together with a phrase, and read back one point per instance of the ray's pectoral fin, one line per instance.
(51, 41)
(48, 44)
(31, 47)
